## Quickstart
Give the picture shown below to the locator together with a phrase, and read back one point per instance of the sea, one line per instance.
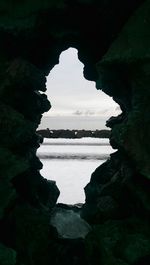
(70, 162)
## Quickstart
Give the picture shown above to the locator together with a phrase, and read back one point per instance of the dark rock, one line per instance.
(36, 190)
(110, 192)
(113, 42)
(48, 193)
(69, 224)
(118, 242)
(7, 256)
(143, 261)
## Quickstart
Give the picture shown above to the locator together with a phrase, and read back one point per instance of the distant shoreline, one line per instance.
(73, 134)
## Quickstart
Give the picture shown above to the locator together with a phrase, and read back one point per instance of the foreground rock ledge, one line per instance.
(69, 224)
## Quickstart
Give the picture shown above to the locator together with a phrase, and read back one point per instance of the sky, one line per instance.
(76, 103)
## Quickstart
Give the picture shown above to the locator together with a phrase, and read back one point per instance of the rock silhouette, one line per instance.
(73, 133)
(113, 42)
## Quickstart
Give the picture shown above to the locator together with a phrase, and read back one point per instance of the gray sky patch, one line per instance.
(72, 95)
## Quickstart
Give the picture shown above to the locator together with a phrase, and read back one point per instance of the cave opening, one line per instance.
(114, 38)
(73, 146)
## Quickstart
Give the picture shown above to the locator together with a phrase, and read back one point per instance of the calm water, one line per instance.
(70, 163)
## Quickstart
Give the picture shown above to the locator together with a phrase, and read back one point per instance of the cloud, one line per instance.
(84, 113)
(78, 113)
(89, 112)
(71, 94)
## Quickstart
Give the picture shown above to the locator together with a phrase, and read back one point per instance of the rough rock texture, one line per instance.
(69, 224)
(112, 38)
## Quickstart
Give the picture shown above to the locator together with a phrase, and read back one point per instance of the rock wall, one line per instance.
(112, 38)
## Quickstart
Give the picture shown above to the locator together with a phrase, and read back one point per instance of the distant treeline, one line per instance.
(47, 133)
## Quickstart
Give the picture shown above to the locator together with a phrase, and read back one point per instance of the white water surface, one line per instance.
(70, 162)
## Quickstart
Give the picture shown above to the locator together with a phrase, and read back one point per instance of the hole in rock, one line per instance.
(76, 105)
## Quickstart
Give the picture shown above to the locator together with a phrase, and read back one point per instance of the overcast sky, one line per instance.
(74, 98)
